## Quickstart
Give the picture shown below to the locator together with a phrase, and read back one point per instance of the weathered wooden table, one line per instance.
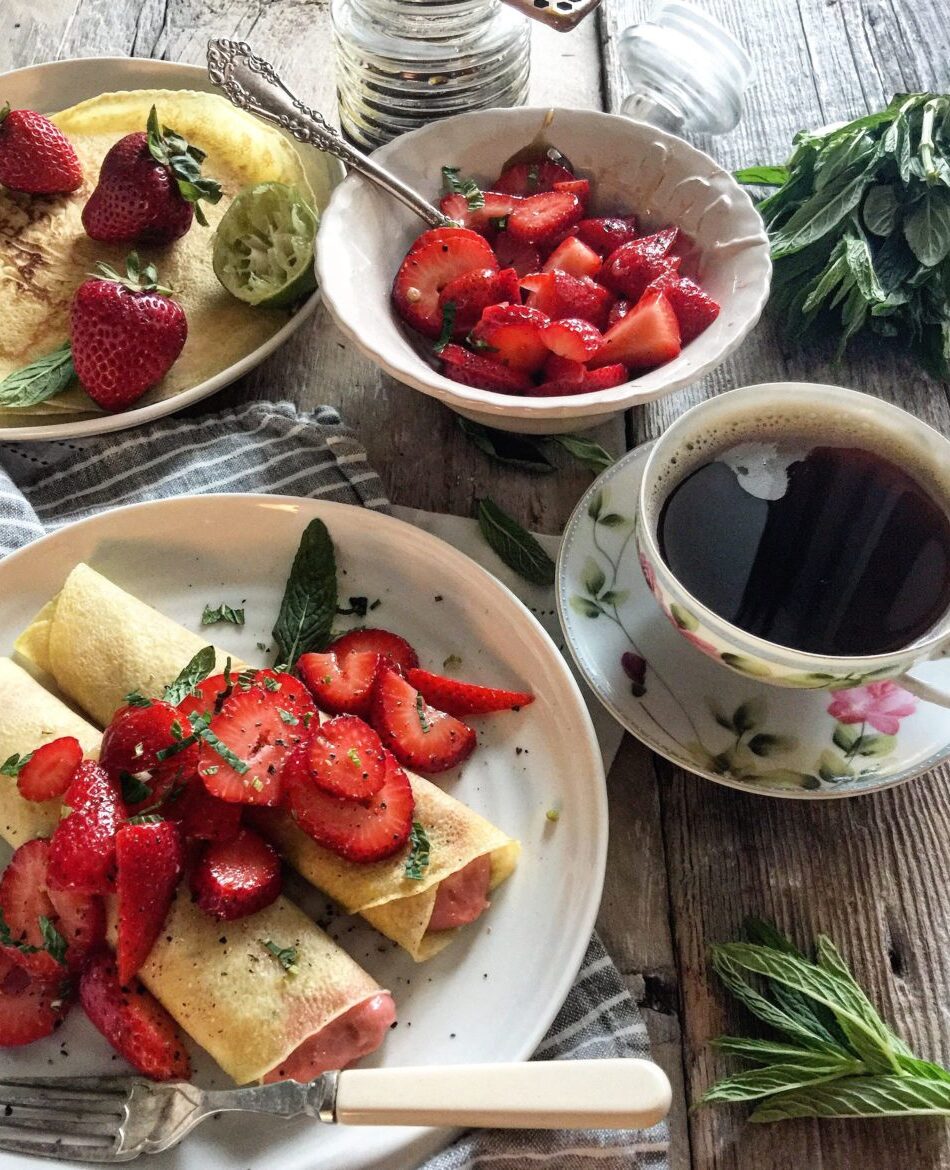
(688, 859)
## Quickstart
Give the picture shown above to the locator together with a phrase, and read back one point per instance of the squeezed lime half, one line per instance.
(263, 248)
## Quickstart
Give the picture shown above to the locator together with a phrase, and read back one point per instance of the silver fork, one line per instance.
(114, 1119)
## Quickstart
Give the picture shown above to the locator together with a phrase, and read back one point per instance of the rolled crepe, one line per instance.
(236, 999)
(98, 643)
(398, 906)
(29, 717)
(94, 630)
(233, 997)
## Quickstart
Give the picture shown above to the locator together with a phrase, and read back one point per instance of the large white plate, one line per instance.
(60, 84)
(490, 996)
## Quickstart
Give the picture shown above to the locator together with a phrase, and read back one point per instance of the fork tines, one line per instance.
(63, 1117)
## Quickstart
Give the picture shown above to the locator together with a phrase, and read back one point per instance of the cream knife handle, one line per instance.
(549, 1094)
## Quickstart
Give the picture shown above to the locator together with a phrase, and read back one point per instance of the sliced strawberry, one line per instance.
(572, 338)
(580, 188)
(512, 333)
(49, 770)
(559, 295)
(357, 832)
(418, 735)
(133, 1021)
(392, 648)
(516, 254)
(485, 219)
(617, 310)
(694, 308)
(290, 694)
(661, 243)
(540, 217)
(472, 292)
(630, 269)
(254, 735)
(602, 378)
(647, 336)
(30, 1008)
(426, 270)
(237, 878)
(136, 735)
(474, 369)
(82, 848)
(530, 178)
(345, 758)
(461, 698)
(607, 234)
(149, 861)
(81, 920)
(573, 256)
(24, 900)
(437, 236)
(341, 688)
(559, 369)
(205, 695)
(203, 817)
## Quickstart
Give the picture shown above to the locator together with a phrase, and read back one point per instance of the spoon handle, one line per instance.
(252, 84)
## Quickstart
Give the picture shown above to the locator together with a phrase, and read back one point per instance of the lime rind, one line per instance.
(263, 246)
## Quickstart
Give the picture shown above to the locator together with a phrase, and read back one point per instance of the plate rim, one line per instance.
(641, 451)
(418, 1144)
(142, 415)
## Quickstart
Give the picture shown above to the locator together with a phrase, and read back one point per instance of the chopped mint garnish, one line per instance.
(134, 790)
(449, 310)
(468, 187)
(453, 662)
(222, 613)
(354, 758)
(271, 684)
(358, 607)
(15, 764)
(288, 718)
(418, 860)
(286, 956)
(136, 699)
(195, 672)
(423, 718)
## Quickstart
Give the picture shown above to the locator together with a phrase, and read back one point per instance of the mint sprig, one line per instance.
(43, 378)
(196, 671)
(836, 1057)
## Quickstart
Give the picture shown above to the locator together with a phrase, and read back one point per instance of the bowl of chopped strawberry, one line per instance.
(571, 284)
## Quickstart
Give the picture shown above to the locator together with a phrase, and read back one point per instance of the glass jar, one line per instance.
(403, 63)
(686, 72)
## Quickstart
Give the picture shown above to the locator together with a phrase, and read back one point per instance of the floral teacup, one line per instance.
(745, 411)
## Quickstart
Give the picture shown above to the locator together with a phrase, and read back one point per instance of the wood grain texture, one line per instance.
(870, 872)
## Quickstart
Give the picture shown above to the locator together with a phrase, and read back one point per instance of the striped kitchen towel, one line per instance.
(270, 447)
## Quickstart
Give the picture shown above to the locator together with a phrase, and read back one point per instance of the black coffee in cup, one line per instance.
(828, 549)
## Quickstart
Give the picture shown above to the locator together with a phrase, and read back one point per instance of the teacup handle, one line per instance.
(924, 690)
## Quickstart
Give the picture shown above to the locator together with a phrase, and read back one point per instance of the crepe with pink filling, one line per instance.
(223, 986)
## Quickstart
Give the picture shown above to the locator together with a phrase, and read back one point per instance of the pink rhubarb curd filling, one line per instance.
(462, 896)
(356, 1033)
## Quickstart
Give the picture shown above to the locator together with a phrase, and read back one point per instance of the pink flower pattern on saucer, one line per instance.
(882, 704)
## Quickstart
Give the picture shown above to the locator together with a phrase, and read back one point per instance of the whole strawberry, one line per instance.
(149, 187)
(35, 157)
(126, 333)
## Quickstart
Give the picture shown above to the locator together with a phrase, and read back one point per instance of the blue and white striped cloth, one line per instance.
(272, 448)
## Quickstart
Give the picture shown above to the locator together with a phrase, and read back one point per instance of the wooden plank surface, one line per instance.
(403, 430)
(872, 872)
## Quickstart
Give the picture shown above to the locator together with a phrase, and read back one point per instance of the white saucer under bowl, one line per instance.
(704, 717)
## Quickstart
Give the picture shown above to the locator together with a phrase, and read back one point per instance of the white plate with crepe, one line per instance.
(493, 993)
(248, 334)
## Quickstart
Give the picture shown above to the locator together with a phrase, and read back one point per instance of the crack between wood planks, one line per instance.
(811, 61)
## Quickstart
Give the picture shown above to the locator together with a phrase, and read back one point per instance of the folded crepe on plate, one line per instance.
(98, 643)
(29, 717)
(45, 253)
(219, 982)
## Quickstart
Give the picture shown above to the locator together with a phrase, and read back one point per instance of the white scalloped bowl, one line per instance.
(636, 168)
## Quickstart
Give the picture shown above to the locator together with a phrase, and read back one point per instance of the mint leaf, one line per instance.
(588, 453)
(222, 613)
(764, 176)
(516, 547)
(53, 941)
(418, 860)
(449, 310)
(197, 670)
(43, 378)
(453, 185)
(136, 699)
(890, 1096)
(305, 620)
(134, 790)
(15, 764)
(286, 956)
(522, 451)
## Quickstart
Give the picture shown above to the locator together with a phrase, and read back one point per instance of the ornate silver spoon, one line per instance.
(252, 84)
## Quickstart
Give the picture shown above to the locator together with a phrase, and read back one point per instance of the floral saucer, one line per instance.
(771, 740)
